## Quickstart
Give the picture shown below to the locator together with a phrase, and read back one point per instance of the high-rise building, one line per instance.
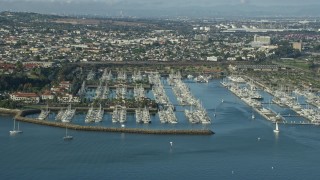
(265, 40)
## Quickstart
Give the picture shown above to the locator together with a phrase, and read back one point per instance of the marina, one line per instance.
(142, 115)
(183, 106)
(159, 90)
(119, 114)
(237, 138)
(279, 97)
(94, 115)
(44, 113)
(65, 115)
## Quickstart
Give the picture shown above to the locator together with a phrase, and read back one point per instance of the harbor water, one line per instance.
(242, 148)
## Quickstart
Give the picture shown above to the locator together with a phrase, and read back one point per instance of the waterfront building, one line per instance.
(25, 97)
(47, 95)
(68, 98)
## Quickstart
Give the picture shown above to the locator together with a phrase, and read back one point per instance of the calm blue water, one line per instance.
(234, 152)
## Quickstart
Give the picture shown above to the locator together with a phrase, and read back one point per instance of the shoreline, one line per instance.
(20, 116)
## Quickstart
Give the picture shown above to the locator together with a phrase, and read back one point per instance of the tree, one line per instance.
(260, 56)
(285, 50)
(19, 66)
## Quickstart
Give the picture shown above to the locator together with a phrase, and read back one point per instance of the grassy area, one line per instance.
(302, 64)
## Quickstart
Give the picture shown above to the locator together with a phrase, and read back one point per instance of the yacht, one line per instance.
(278, 117)
(99, 114)
(67, 137)
(190, 76)
(89, 116)
(266, 111)
(15, 131)
(60, 114)
(68, 115)
(138, 115)
(115, 115)
(44, 113)
(146, 116)
(277, 128)
(252, 116)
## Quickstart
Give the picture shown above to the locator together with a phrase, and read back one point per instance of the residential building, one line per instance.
(212, 58)
(25, 97)
(47, 96)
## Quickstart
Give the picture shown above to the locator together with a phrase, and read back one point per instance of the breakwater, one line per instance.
(20, 116)
(152, 110)
(8, 111)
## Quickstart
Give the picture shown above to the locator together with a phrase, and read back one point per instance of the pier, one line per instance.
(297, 123)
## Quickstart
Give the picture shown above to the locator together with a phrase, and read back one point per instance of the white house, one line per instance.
(68, 98)
(47, 96)
(25, 97)
(212, 58)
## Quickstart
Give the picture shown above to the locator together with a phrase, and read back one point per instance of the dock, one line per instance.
(296, 123)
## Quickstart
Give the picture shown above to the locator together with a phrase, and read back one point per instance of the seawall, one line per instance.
(20, 116)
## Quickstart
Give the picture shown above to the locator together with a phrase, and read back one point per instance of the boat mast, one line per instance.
(14, 124)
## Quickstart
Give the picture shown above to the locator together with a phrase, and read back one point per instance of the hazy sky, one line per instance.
(161, 7)
(175, 2)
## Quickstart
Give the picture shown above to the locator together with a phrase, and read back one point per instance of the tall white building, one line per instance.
(265, 40)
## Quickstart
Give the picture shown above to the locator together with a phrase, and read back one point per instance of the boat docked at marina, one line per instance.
(198, 115)
(60, 114)
(143, 115)
(99, 114)
(146, 116)
(190, 76)
(202, 79)
(44, 113)
(167, 115)
(89, 116)
(68, 114)
(119, 114)
(237, 79)
(94, 115)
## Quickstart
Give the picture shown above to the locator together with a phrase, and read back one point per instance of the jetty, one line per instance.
(20, 116)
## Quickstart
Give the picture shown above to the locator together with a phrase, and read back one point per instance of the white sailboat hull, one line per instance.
(68, 137)
(277, 129)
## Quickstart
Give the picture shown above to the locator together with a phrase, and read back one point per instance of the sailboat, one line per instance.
(252, 115)
(67, 137)
(44, 113)
(15, 131)
(277, 128)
